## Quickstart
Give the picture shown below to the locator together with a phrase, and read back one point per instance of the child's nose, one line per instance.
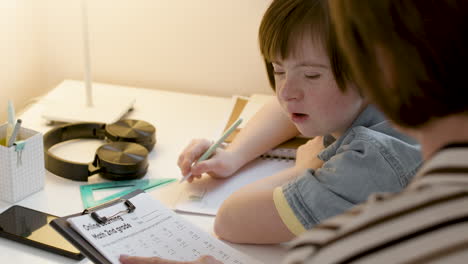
(289, 90)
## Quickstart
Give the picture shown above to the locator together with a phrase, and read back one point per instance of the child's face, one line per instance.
(307, 91)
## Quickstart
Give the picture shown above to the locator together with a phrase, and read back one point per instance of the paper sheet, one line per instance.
(152, 230)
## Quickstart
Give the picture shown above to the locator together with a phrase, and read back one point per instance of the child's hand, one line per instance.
(306, 156)
(221, 164)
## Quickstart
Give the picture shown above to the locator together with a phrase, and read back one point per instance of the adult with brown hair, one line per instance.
(408, 57)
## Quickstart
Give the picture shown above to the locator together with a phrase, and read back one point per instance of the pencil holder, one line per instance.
(22, 169)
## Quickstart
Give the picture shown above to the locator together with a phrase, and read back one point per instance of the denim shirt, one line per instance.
(370, 157)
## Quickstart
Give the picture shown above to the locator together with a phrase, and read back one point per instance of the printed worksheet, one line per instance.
(151, 230)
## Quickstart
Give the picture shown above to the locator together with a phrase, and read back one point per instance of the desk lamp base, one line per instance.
(99, 113)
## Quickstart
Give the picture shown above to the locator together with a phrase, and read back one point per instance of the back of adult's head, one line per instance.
(288, 21)
(408, 56)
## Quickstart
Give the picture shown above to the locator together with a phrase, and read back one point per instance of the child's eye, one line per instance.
(277, 69)
(312, 76)
(278, 72)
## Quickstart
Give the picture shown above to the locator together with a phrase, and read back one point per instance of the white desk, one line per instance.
(178, 119)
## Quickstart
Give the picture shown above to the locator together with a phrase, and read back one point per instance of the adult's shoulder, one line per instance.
(408, 227)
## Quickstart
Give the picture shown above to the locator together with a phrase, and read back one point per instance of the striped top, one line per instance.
(426, 223)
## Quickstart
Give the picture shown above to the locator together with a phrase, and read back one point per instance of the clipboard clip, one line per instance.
(104, 219)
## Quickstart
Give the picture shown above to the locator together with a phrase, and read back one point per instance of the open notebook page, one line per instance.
(152, 230)
(206, 195)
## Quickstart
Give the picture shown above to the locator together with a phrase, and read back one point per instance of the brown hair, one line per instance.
(424, 45)
(287, 20)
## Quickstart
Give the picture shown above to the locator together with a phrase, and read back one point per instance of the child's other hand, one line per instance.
(221, 164)
(306, 156)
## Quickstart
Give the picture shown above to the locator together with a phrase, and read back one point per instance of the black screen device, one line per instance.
(32, 228)
(123, 157)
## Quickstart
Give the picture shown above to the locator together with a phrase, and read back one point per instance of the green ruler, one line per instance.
(87, 190)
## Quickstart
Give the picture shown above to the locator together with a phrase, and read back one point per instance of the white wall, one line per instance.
(21, 76)
(197, 46)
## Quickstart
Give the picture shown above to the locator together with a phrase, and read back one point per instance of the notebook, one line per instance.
(139, 225)
(205, 196)
(246, 107)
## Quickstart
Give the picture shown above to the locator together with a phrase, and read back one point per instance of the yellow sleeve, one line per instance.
(286, 213)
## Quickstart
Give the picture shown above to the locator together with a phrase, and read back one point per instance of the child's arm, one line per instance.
(250, 214)
(265, 130)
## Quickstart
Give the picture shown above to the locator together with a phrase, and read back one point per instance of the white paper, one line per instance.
(206, 195)
(152, 230)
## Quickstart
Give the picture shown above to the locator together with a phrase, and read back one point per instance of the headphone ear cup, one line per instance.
(130, 130)
(122, 160)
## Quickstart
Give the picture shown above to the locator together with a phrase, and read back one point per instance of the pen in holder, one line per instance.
(22, 169)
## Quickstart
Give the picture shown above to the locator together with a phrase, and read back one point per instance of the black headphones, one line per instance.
(125, 157)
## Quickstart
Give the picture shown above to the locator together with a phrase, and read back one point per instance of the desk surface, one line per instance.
(178, 118)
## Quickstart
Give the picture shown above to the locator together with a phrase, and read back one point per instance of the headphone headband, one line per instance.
(73, 131)
(104, 162)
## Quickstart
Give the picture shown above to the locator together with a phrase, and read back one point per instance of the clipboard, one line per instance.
(63, 227)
